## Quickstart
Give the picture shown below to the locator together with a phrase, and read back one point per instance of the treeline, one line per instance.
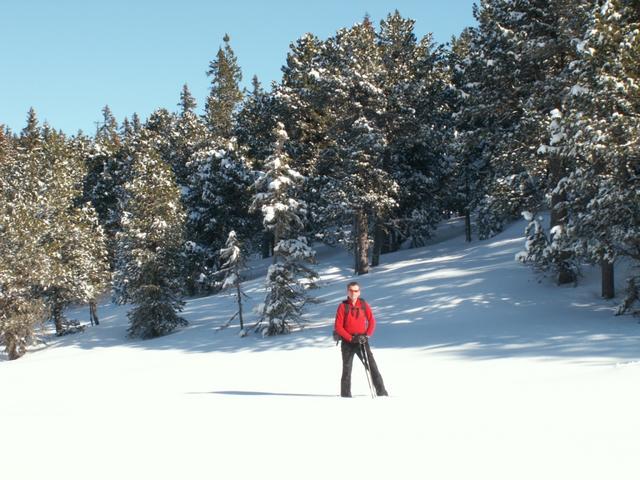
(371, 138)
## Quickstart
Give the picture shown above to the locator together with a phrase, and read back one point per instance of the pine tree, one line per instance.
(161, 134)
(492, 109)
(468, 180)
(188, 139)
(188, 135)
(23, 265)
(217, 198)
(289, 276)
(282, 214)
(366, 112)
(73, 242)
(288, 280)
(219, 175)
(360, 179)
(503, 81)
(108, 168)
(233, 263)
(31, 136)
(225, 94)
(417, 125)
(150, 246)
(554, 47)
(546, 253)
(256, 120)
(187, 102)
(254, 131)
(518, 53)
(136, 124)
(302, 103)
(53, 249)
(599, 131)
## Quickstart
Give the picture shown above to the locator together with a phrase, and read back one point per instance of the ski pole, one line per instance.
(368, 370)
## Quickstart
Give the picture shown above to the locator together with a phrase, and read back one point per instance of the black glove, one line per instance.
(361, 339)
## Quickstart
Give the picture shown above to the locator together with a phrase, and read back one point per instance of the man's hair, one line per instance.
(353, 284)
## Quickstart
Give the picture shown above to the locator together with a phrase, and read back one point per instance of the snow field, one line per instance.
(491, 375)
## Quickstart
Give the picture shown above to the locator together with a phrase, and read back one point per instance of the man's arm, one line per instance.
(371, 320)
(339, 324)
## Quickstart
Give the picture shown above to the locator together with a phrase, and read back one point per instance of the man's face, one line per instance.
(353, 292)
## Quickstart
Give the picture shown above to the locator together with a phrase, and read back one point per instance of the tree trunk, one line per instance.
(362, 243)
(558, 215)
(93, 312)
(276, 236)
(56, 313)
(396, 241)
(387, 242)
(267, 244)
(608, 290)
(11, 346)
(239, 304)
(356, 246)
(467, 224)
(378, 240)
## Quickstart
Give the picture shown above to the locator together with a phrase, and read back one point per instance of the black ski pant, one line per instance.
(348, 351)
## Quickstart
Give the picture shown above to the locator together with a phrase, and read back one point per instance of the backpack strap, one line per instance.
(363, 306)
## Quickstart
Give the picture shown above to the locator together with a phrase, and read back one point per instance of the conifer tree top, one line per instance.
(187, 101)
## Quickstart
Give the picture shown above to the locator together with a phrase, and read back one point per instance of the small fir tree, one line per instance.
(546, 253)
(233, 263)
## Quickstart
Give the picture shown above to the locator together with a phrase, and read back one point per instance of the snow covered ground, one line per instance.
(492, 374)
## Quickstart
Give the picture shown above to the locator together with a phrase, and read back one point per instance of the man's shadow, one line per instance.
(252, 393)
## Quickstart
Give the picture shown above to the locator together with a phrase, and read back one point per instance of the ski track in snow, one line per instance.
(493, 373)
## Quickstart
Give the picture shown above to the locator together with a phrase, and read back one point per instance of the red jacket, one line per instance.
(359, 320)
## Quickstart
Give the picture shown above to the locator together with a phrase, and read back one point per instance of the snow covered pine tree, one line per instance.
(150, 246)
(289, 276)
(233, 262)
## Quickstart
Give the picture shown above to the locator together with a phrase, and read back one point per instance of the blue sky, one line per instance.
(69, 58)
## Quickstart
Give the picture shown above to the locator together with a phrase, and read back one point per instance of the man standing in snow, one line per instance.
(355, 324)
